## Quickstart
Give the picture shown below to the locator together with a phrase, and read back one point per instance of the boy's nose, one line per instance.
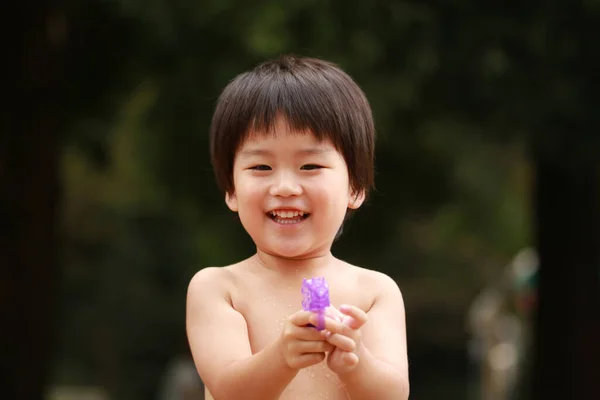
(285, 185)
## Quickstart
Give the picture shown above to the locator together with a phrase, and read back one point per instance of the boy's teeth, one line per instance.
(287, 214)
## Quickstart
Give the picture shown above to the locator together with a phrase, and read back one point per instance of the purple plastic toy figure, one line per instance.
(315, 293)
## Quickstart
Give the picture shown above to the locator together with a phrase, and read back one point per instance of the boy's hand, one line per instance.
(344, 333)
(302, 345)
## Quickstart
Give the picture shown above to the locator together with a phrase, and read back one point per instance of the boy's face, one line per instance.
(291, 192)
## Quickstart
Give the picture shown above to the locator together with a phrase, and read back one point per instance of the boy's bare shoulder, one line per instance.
(211, 281)
(374, 280)
(210, 276)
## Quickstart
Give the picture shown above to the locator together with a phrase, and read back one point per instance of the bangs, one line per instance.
(317, 103)
(305, 106)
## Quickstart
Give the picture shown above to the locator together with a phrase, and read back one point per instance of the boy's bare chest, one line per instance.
(266, 308)
(266, 313)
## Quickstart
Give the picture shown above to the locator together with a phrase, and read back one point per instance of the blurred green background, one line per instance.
(473, 102)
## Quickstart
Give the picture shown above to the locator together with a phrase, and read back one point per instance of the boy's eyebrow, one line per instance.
(307, 151)
(255, 152)
(315, 150)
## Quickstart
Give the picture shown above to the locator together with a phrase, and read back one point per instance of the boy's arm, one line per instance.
(382, 372)
(218, 338)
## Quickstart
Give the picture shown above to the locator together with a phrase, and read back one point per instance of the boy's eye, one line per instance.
(311, 167)
(261, 168)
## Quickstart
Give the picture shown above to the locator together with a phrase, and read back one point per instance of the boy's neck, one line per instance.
(310, 266)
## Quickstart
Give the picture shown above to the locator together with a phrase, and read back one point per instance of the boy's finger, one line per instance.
(342, 342)
(332, 325)
(334, 313)
(350, 358)
(358, 316)
(300, 318)
(312, 346)
(308, 333)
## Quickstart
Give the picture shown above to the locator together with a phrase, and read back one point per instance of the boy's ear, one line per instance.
(231, 201)
(356, 199)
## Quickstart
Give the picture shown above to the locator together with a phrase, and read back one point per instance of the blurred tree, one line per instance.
(566, 199)
(528, 69)
(60, 69)
(29, 156)
(533, 74)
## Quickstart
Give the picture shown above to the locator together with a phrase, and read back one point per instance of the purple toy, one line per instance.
(315, 293)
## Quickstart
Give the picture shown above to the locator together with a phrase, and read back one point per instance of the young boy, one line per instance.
(292, 145)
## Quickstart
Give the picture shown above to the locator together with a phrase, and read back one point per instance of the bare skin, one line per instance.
(242, 310)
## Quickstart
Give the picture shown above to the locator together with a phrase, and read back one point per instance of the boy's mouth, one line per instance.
(287, 216)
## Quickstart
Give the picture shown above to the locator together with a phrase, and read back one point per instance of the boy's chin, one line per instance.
(289, 255)
(287, 252)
